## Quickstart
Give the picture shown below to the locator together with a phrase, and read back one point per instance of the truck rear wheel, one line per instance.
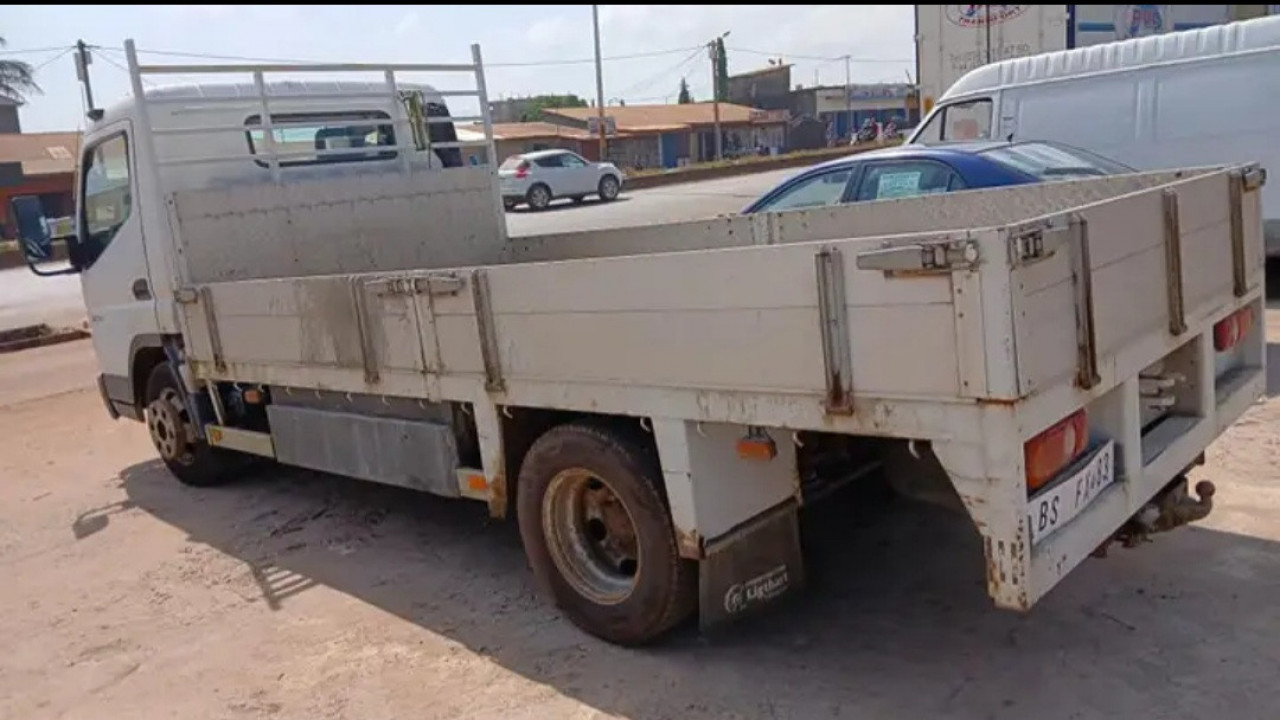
(173, 433)
(598, 534)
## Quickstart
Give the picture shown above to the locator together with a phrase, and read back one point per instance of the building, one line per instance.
(522, 137)
(846, 109)
(649, 136)
(767, 89)
(41, 164)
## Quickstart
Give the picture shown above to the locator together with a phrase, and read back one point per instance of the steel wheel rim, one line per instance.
(591, 536)
(610, 188)
(171, 431)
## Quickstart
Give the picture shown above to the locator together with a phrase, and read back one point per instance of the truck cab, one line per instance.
(206, 136)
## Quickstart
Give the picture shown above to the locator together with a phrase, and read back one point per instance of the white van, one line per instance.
(1199, 97)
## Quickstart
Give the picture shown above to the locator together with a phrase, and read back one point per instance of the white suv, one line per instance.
(537, 178)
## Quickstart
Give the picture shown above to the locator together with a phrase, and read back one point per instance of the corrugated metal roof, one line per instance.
(1237, 37)
(41, 153)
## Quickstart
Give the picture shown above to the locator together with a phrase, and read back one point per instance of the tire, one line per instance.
(638, 601)
(189, 458)
(539, 197)
(508, 204)
(609, 188)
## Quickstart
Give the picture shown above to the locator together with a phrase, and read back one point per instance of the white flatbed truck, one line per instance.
(302, 271)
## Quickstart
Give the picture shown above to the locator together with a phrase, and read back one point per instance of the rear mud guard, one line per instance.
(751, 568)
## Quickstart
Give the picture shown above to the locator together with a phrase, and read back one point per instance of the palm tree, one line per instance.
(17, 78)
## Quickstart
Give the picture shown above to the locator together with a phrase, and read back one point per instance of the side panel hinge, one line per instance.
(922, 258)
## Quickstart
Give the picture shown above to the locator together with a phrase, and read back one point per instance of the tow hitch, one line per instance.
(1173, 507)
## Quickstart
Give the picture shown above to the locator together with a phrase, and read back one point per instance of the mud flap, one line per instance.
(751, 568)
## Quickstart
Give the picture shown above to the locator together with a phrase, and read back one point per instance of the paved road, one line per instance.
(673, 203)
(26, 299)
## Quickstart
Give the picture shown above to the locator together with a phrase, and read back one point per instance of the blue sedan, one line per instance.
(912, 170)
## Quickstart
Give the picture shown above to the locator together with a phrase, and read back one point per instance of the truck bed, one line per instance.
(971, 321)
(724, 308)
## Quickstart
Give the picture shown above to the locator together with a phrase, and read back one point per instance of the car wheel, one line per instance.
(598, 534)
(539, 197)
(608, 188)
(173, 433)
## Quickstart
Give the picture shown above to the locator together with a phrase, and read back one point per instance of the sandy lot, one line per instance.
(292, 595)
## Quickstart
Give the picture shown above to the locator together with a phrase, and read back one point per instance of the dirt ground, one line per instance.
(292, 595)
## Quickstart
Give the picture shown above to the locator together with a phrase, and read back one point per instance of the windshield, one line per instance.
(1045, 161)
(511, 163)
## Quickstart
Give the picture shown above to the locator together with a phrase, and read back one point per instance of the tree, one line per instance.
(17, 78)
(535, 105)
(722, 72)
(685, 96)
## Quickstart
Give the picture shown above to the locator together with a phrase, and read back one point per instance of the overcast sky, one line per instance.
(668, 34)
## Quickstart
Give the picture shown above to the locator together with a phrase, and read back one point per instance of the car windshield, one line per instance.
(511, 163)
(1045, 161)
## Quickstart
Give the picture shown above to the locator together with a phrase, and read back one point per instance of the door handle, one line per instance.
(141, 291)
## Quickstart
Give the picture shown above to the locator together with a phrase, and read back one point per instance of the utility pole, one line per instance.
(848, 97)
(715, 91)
(82, 72)
(595, 24)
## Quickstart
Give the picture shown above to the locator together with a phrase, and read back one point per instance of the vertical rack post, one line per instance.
(268, 128)
(400, 121)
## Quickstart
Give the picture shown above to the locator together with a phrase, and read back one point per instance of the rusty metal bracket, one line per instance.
(493, 381)
(1173, 262)
(833, 316)
(1235, 193)
(211, 323)
(1082, 283)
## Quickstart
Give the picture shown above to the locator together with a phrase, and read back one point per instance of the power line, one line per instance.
(817, 58)
(654, 78)
(33, 51)
(117, 65)
(52, 59)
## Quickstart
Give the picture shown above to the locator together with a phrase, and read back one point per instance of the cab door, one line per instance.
(112, 256)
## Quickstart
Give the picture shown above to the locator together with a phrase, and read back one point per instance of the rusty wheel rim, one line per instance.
(591, 536)
(171, 431)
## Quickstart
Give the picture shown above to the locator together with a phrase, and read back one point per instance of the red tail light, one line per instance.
(1232, 329)
(522, 171)
(1046, 454)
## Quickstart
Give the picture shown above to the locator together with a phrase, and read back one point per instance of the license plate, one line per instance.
(1057, 506)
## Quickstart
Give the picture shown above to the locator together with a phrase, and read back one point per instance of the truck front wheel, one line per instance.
(173, 432)
(599, 536)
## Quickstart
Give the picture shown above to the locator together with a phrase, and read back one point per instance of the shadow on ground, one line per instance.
(896, 622)
(565, 204)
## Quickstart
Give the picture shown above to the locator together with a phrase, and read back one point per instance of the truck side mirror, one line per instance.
(34, 235)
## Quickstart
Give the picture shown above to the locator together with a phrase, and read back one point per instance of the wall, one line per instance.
(9, 117)
(507, 148)
(766, 90)
(1096, 24)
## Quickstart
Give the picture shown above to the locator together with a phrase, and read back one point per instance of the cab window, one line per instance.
(959, 122)
(814, 191)
(907, 178)
(107, 195)
(302, 134)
